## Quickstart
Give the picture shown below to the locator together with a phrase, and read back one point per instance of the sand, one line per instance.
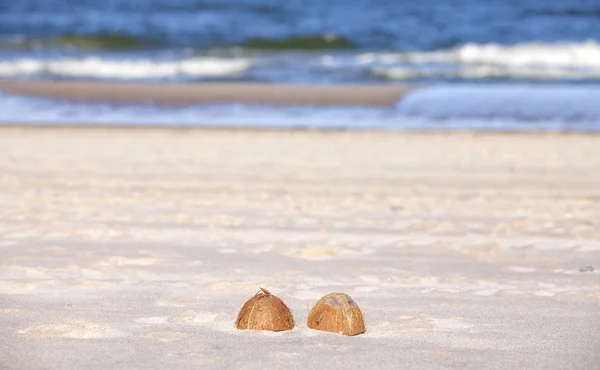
(135, 248)
(198, 93)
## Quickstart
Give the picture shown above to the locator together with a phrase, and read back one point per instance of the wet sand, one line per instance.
(198, 93)
(128, 249)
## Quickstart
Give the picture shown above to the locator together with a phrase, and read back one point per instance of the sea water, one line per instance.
(531, 64)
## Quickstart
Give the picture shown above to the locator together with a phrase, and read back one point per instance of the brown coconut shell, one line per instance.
(337, 313)
(264, 311)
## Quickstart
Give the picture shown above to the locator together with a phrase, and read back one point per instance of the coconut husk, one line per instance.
(265, 311)
(337, 313)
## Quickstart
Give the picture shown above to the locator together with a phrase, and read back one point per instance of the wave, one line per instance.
(479, 61)
(320, 42)
(518, 102)
(124, 69)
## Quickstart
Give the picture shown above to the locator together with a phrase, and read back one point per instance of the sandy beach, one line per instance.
(135, 248)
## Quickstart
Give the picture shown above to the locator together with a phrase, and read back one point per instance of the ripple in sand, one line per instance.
(172, 303)
(408, 324)
(211, 320)
(326, 252)
(12, 311)
(80, 331)
(205, 318)
(308, 295)
(544, 293)
(152, 320)
(521, 269)
(191, 317)
(125, 261)
(26, 287)
(233, 287)
(316, 252)
(165, 336)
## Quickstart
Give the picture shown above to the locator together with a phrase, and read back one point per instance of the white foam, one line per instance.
(125, 69)
(489, 72)
(585, 54)
(539, 61)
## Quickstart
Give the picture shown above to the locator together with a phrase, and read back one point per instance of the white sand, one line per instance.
(135, 249)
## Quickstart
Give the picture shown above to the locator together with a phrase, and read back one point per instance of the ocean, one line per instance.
(498, 64)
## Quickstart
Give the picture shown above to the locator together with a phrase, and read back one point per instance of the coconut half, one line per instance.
(337, 313)
(265, 311)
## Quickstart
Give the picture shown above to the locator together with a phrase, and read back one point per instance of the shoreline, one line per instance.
(184, 94)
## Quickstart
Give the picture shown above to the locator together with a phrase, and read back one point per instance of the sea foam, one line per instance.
(536, 61)
(94, 67)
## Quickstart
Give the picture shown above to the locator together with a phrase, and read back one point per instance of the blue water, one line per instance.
(531, 64)
(398, 25)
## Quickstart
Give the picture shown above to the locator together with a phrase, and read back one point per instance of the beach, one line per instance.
(135, 248)
(162, 162)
